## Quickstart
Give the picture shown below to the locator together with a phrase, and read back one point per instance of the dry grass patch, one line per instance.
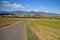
(7, 21)
(45, 29)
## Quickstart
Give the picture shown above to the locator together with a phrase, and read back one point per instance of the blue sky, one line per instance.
(28, 5)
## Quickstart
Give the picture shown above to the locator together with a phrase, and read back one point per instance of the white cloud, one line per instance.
(14, 5)
(5, 2)
(36, 10)
(46, 11)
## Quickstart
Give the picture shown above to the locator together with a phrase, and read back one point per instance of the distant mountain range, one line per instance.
(28, 14)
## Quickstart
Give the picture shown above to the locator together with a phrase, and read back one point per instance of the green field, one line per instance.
(37, 29)
(42, 29)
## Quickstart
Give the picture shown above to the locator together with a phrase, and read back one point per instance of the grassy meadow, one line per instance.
(43, 29)
(36, 28)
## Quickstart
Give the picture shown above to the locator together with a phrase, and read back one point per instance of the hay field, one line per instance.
(7, 21)
(43, 29)
(36, 28)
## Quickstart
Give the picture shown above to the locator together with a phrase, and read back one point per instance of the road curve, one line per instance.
(15, 31)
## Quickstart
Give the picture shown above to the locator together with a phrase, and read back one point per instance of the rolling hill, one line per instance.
(29, 14)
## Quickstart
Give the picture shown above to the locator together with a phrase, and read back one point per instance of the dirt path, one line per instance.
(15, 31)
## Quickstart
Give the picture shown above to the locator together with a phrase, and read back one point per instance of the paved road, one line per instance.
(15, 31)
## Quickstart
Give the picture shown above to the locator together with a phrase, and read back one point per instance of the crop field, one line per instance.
(41, 29)
(7, 21)
(36, 28)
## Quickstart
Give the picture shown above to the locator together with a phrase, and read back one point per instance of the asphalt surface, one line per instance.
(15, 31)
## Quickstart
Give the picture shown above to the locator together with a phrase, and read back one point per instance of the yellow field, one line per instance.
(7, 21)
(43, 29)
(36, 28)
